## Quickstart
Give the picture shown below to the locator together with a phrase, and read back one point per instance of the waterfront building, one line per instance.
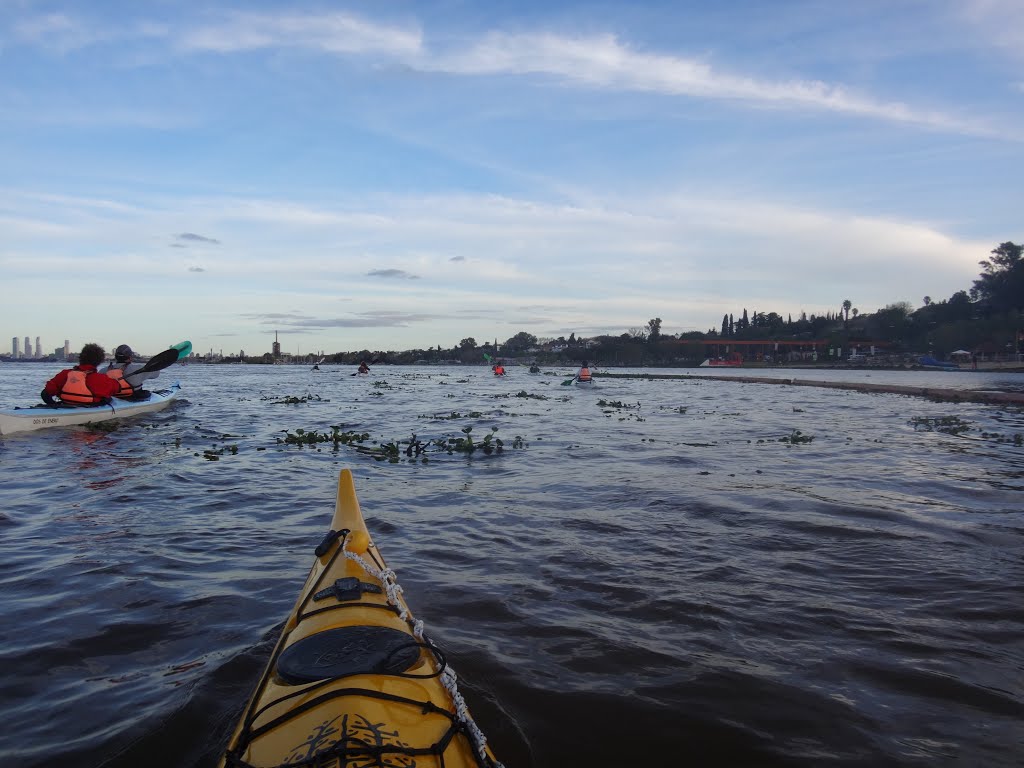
(28, 348)
(14, 348)
(39, 348)
(276, 347)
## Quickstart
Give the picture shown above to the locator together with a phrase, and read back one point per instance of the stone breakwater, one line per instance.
(934, 393)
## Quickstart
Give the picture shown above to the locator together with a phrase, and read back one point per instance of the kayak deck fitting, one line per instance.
(353, 680)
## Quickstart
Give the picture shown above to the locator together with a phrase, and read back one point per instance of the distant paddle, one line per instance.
(567, 382)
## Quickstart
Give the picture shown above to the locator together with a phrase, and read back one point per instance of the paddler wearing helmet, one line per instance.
(126, 374)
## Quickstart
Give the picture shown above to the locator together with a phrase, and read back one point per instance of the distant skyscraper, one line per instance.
(28, 347)
(39, 348)
(14, 347)
(276, 347)
(67, 348)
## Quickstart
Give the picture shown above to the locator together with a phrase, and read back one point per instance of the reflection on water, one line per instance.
(661, 574)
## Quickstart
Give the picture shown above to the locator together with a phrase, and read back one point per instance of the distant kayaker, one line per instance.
(499, 370)
(363, 367)
(584, 374)
(126, 374)
(82, 385)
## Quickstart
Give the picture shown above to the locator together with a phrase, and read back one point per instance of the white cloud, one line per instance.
(1001, 21)
(64, 33)
(598, 61)
(605, 62)
(335, 33)
(686, 258)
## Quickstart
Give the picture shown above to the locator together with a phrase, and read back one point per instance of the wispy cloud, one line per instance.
(191, 237)
(372, 319)
(196, 269)
(600, 61)
(59, 31)
(64, 33)
(1001, 21)
(400, 274)
(335, 33)
(684, 255)
(605, 62)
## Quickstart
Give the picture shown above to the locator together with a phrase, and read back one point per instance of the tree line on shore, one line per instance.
(987, 319)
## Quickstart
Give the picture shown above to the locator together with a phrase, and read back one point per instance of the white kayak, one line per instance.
(30, 419)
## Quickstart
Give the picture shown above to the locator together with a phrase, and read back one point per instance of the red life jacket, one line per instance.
(76, 391)
(125, 389)
(584, 374)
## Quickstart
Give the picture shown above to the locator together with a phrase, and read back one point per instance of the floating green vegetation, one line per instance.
(1017, 439)
(102, 426)
(796, 436)
(335, 436)
(214, 453)
(415, 449)
(454, 415)
(295, 400)
(950, 425)
(392, 451)
(676, 409)
(382, 385)
(490, 444)
(617, 405)
(527, 395)
(521, 394)
(412, 449)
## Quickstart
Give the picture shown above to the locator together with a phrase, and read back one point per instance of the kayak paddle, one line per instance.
(183, 348)
(160, 361)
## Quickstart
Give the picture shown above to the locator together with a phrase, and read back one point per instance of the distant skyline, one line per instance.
(404, 175)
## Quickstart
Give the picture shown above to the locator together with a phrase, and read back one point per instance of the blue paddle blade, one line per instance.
(184, 349)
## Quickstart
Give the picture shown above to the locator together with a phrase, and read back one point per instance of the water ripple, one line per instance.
(665, 577)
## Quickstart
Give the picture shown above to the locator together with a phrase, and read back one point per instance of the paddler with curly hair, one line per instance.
(81, 385)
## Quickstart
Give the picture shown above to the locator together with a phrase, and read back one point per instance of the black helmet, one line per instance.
(123, 353)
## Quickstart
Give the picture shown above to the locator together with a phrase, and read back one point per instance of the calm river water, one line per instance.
(690, 573)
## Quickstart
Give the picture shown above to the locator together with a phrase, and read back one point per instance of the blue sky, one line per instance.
(406, 174)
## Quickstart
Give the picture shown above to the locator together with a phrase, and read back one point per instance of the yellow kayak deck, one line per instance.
(353, 681)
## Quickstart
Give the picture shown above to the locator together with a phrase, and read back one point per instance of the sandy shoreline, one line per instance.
(935, 393)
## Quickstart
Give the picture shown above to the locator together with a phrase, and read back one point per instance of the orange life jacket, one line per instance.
(584, 374)
(75, 389)
(499, 370)
(125, 389)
